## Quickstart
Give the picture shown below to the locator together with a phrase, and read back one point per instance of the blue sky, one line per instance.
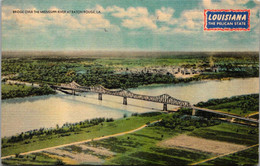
(136, 25)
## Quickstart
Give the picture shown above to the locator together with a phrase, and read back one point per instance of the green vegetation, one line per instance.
(84, 72)
(227, 132)
(255, 116)
(246, 157)
(199, 59)
(44, 138)
(142, 147)
(240, 105)
(11, 91)
(180, 121)
(93, 71)
(33, 159)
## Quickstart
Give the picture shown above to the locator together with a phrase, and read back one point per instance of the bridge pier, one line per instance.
(193, 112)
(99, 96)
(164, 107)
(125, 101)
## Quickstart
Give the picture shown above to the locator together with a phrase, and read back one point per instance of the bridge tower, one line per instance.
(99, 96)
(164, 107)
(193, 112)
(125, 101)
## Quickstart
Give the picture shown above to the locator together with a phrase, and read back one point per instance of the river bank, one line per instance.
(129, 137)
(44, 140)
(10, 91)
(23, 114)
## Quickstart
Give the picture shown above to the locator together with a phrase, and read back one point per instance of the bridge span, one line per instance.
(164, 98)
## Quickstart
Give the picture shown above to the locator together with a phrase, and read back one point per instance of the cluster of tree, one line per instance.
(88, 73)
(65, 72)
(186, 122)
(66, 128)
(146, 114)
(149, 114)
(245, 102)
(21, 91)
(252, 104)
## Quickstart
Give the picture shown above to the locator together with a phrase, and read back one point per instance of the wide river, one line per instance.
(23, 114)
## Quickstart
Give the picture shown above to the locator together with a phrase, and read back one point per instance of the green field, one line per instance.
(141, 147)
(143, 150)
(246, 157)
(148, 62)
(239, 105)
(34, 159)
(12, 91)
(106, 128)
(227, 132)
(7, 88)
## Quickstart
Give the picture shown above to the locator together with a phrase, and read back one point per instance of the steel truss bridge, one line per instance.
(164, 98)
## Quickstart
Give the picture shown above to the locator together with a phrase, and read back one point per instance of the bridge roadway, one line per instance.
(225, 114)
(165, 98)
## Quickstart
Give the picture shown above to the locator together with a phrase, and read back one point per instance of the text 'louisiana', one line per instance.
(227, 17)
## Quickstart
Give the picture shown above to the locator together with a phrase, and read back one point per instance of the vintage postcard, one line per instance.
(120, 82)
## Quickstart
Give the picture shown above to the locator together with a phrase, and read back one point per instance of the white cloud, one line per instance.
(133, 17)
(139, 22)
(130, 12)
(192, 19)
(162, 20)
(139, 17)
(166, 15)
(224, 4)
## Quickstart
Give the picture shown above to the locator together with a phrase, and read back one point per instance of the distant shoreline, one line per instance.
(134, 54)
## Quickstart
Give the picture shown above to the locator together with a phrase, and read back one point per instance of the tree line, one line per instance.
(245, 102)
(23, 91)
(64, 130)
(87, 73)
(184, 121)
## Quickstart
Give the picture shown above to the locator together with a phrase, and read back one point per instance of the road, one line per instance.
(85, 141)
(225, 114)
(252, 114)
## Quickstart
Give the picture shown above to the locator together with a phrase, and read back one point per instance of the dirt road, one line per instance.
(85, 141)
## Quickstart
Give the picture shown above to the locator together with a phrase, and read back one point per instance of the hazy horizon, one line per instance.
(122, 53)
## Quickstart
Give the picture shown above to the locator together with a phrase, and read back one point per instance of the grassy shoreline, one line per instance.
(20, 91)
(47, 91)
(99, 130)
(140, 147)
(42, 138)
(242, 105)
